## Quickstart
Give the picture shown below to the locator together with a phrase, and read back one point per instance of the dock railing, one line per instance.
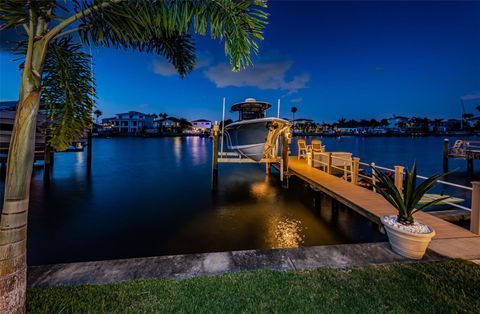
(349, 168)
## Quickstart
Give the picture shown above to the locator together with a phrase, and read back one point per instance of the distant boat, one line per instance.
(255, 136)
(431, 197)
(7, 119)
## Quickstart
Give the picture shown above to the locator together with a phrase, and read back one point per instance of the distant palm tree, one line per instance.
(97, 114)
(293, 110)
(50, 34)
(184, 124)
(341, 121)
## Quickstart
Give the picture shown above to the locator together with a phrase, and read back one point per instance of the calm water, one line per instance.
(149, 197)
(426, 151)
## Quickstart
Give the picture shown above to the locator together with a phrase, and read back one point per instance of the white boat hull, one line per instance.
(256, 138)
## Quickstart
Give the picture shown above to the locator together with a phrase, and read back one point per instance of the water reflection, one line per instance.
(263, 190)
(148, 197)
(177, 150)
(285, 232)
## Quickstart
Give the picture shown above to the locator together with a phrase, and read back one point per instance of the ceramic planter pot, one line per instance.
(409, 241)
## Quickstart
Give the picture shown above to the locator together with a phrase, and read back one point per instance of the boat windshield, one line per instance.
(251, 109)
(251, 114)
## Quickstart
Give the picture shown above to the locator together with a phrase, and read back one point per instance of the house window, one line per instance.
(134, 123)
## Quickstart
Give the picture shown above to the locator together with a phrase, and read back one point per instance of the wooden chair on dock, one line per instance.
(458, 148)
(317, 146)
(302, 148)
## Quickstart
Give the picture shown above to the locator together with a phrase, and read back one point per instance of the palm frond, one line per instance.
(68, 92)
(163, 27)
(17, 12)
(13, 13)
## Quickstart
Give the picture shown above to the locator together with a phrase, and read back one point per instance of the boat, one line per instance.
(254, 135)
(449, 199)
(7, 120)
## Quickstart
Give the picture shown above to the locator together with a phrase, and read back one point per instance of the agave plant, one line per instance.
(406, 201)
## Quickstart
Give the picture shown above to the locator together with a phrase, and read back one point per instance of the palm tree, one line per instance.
(153, 26)
(97, 114)
(184, 124)
(293, 110)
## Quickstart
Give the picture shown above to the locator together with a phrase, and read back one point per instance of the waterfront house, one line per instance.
(201, 125)
(303, 125)
(169, 125)
(129, 123)
(351, 130)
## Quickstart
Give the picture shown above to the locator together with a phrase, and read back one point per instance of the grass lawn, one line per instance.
(439, 287)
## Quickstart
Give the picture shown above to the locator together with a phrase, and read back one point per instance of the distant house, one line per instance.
(397, 122)
(351, 130)
(170, 124)
(201, 125)
(132, 122)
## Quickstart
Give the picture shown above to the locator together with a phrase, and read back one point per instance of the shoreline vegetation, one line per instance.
(135, 123)
(399, 288)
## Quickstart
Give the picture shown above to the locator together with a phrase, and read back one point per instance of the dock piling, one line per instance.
(445, 155)
(399, 177)
(215, 157)
(374, 180)
(355, 168)
(469, 166)
(284, 163)
(329, 163)
(89, 150)
(475, 214)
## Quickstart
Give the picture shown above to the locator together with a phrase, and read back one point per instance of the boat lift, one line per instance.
(280, 161)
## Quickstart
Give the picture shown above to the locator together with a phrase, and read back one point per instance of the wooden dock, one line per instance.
(450, 240)
(463, 149)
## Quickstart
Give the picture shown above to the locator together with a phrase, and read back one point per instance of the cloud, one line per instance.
(161, 66)
(473, 96)
(263, 75)
(296, 100)
(204, 59)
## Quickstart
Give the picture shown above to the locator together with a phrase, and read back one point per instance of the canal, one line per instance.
(151, 196)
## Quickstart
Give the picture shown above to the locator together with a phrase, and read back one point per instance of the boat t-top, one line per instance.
(254, 135)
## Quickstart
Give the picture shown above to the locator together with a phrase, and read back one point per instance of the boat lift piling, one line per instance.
(215, 156)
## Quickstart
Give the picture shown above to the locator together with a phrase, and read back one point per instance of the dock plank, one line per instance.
(373, 206)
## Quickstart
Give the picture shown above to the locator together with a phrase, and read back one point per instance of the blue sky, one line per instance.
(330, 59)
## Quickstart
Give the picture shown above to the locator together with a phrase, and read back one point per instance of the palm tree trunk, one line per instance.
(13, 220)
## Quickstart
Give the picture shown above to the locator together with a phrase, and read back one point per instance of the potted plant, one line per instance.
(408, 237)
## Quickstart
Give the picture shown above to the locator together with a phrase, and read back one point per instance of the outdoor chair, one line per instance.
(302, 148)
(317, 146)
(458, 148)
